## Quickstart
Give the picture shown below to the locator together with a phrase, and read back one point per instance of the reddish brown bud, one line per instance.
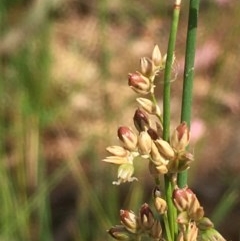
(146, 219)
(129, 220)
(141, 120)
(127, 137)
(139, 83)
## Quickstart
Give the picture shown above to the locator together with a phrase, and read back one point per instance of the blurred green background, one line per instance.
(63, 93)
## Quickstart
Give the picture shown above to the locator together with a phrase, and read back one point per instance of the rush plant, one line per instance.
(176, 213)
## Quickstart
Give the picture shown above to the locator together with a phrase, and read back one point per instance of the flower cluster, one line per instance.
(134, 226)
(192, 223)
(163, 157)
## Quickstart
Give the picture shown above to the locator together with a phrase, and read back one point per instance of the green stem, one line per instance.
(168, 72)
(172, 213)
(189, 73)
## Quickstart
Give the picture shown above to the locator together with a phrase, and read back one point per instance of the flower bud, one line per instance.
(160, 205)
(182, 198)
(165, 149)
(119, 233)
(156, 230)
(156, 56)
(180, 137)
(116, 160)
(149, 106)
(129, 220)
(156, 157)
(139, 83)
(117, 151)
(125, 172)
(146, 66)
(146, 219)
(144, 144)
(127, 137)
(141, 120)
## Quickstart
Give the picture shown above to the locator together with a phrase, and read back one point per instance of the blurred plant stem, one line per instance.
(36, 17)
(172, 213)
(189, 73)
(227, 202)
(104, 55)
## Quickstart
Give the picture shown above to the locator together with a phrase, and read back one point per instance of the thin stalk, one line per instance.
(171, 214)
(168, 71)
(189, 73)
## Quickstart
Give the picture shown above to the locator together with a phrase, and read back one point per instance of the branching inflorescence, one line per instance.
(177, 213)
(163, 157)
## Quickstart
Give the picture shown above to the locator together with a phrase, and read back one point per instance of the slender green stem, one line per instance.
(167, 230)
(189, 73)
(171, 214)
(168, 72)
